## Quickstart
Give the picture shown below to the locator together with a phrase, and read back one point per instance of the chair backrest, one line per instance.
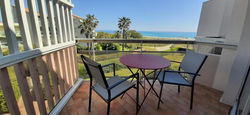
(95, 71)
(192, 62)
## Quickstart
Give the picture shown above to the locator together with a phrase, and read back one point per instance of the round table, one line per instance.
(145, 62)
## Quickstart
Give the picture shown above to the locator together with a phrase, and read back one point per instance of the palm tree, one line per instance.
(88, 25)
(123, 25)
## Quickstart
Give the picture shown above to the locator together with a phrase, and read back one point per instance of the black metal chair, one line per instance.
(189, 68)
(109, 89)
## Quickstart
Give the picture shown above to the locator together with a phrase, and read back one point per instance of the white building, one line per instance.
(75, 17)
(226, 22)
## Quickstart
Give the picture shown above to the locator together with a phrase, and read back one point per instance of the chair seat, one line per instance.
(173, 78)
(116, 91)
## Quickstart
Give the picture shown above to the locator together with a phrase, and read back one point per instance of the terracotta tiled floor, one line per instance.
(206, 102)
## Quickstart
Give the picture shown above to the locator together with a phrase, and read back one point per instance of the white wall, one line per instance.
(223, 18)
(240, 64)
(211, 18)
(78, 30)
(215, 20)
(232, 35)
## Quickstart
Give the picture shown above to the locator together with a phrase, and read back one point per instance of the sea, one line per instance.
(156, 34)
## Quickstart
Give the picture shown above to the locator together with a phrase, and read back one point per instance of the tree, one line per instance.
(88, 25)
(134, 34)
(104, 35)
(117, 34)
(123, 25)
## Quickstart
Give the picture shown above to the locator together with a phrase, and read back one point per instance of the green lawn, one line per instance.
(121, 69)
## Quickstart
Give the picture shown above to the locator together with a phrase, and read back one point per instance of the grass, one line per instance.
(121, 69)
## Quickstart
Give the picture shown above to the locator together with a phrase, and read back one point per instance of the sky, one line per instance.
(145, 15)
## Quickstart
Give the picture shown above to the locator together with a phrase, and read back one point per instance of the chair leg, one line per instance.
(137, 94)
(90, 94)
(108, 109)
(192, 95)
(159, 101)
(179, 88)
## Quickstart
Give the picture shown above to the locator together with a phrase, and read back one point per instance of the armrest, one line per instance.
(123, 80)
(108, 65)
(182, 72)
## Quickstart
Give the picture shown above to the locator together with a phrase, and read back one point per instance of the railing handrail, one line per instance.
(158, 41)
(117, 40)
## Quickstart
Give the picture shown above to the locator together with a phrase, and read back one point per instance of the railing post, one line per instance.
(23, 24)
(44, 22)
(58, 22)
(35, 23)
(187, 46)
(141, 47)
(8, 24)
(72, 24)
(51, 16)
(68, 25)
(63, 22)
(1, 53)
(106, 51)
(93, 50)
(8, 92)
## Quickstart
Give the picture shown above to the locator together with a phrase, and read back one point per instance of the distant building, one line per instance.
(76, 19)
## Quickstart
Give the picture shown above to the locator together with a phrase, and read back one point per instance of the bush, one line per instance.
(5, 51)
(104, 35)
(99, 47)
(118, 46)
(134, 34)
(111, 46)
(80, 47)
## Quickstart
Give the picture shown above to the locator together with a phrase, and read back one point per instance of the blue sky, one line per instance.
(146, 15)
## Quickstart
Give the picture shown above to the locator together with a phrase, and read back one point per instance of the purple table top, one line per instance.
(144, 61)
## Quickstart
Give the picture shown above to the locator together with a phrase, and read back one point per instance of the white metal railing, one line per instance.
(158, 41)
(188, 42)
(117, 40)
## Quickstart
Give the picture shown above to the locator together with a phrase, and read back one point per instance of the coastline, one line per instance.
(160, 34)
(170, 38)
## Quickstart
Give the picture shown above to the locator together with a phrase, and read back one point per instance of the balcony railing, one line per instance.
(171, 49)
(55, 71)
(42, 73)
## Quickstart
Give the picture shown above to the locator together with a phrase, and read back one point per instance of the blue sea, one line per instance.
(160, 34)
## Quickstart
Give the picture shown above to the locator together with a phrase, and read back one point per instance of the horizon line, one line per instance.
(144, 30)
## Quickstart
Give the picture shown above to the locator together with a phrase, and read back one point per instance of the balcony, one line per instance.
(51, 69)
(41, 71)
(207, 99)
